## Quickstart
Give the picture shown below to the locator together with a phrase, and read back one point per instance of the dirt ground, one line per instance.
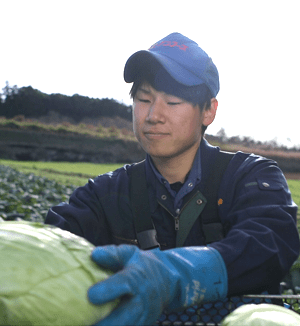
(293, 176)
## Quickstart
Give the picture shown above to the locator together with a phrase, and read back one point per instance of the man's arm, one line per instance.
(262, 241)
(83, 215)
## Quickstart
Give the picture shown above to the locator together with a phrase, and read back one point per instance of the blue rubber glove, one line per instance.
(150, 282)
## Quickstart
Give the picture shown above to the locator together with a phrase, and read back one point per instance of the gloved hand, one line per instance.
(149, 282)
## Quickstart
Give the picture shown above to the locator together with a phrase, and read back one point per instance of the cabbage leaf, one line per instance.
(44, 277)
(263, 314)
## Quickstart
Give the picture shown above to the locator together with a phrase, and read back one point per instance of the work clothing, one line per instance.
(255, 208)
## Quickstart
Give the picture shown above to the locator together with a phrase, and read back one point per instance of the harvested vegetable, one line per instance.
(262, 315)
(44, 277)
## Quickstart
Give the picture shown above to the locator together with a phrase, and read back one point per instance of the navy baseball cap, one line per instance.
(182, 58)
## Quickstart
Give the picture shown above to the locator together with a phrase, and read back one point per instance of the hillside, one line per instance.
(29, 140)
(287, 159)
(34, 141)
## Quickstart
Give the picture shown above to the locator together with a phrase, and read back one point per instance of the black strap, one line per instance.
(211, 224)
(212, 227)
(145, 231)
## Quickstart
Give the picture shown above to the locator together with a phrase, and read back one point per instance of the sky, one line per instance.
(81, 47)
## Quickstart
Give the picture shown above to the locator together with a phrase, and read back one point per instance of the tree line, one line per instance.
(32, 103)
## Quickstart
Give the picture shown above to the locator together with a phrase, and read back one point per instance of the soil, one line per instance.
(293, 176)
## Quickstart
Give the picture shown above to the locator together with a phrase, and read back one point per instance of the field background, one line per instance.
(77, 174)
(66, 173)
(60, 141)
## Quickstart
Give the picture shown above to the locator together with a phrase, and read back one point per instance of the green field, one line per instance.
(78, 173)
(63, 172)
(294, 186)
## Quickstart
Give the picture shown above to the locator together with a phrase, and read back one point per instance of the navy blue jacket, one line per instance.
(257, 212)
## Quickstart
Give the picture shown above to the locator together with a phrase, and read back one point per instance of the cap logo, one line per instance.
(171, 44)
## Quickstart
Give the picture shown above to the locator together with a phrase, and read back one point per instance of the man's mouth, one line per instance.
(155, 135)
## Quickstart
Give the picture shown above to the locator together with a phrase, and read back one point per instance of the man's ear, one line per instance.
(209, 114)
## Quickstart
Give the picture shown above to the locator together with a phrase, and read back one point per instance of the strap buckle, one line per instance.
(147, 239)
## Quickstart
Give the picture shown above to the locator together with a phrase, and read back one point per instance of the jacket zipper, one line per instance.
(133, 241)
(177, 219)
(178, 211)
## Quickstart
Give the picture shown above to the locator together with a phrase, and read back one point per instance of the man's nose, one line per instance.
(155, 112)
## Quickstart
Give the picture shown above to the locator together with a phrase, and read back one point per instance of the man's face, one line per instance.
(166, 126)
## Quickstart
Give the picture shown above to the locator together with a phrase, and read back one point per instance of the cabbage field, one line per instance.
(27, 196)
(66, 173)
(29, 189)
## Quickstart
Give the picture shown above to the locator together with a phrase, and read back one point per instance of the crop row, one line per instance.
(27, 196)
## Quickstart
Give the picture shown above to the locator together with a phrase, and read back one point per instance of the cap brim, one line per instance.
(145, 58)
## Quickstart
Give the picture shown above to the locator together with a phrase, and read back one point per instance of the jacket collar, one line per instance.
(159, 188)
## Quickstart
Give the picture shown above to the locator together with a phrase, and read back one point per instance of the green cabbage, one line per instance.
(44, 277)
(263, 314)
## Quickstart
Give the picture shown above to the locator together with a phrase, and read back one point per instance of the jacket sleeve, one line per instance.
(262, 240)
(83, 215)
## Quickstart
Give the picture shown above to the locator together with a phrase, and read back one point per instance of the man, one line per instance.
(241, 240)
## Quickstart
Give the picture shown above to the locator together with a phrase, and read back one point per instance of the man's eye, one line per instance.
(144, 100)
(174, 103)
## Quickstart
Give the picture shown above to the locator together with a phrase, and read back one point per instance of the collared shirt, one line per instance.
(193, 178)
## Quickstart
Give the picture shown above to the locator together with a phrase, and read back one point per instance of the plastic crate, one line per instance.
(212, 314)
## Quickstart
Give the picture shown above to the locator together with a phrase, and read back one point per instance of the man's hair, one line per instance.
(160, 80)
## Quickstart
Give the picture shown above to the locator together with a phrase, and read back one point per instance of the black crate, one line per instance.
(212, 314)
